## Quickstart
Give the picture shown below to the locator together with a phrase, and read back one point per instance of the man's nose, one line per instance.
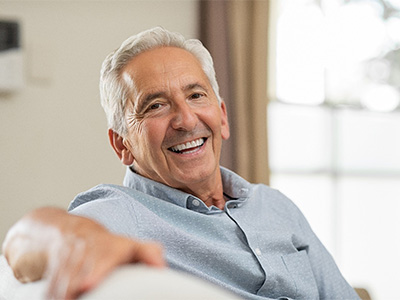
(184, 117)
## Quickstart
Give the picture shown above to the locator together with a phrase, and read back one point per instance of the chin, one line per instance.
(198, 174)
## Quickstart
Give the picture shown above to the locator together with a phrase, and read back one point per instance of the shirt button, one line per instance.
(258, 251)
(196, 202)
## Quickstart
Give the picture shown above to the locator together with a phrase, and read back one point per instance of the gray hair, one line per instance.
(115, 91)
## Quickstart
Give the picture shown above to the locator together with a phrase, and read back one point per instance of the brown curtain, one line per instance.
(236, 33)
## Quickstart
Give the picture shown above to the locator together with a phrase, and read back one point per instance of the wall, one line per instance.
(53, 141)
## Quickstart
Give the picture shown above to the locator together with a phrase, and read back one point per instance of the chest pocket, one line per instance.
(299, 268)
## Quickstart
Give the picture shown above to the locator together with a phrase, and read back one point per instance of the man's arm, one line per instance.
(74, 253)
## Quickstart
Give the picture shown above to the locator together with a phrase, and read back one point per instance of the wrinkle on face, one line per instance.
(134, 118)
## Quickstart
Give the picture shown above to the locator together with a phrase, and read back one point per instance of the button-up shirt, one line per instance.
(259, 246)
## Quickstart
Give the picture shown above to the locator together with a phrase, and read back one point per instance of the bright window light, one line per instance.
(300, 70)
(394, 3)
(355, 32)
(393, 29)
(380, 98)
(325, 51)
(333, 131)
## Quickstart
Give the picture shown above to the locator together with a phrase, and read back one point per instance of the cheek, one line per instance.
(152, 135)
(212, 119)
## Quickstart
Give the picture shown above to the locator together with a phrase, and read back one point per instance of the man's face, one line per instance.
(175, 124)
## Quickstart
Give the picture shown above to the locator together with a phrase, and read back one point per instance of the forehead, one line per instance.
(164, 66)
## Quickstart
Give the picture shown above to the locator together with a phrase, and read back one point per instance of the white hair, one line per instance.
(115, 90)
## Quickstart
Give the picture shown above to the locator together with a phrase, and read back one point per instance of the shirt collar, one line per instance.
(235, 189)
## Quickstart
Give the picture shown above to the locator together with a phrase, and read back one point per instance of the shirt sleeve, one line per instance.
(108, 206)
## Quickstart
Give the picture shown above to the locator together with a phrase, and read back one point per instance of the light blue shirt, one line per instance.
(259, 247)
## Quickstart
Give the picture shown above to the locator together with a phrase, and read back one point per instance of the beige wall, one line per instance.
(53, 141)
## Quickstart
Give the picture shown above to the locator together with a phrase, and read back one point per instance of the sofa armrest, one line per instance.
(12, 289)
(126, 282)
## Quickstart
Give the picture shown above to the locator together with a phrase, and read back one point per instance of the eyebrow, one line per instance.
(193, 86)
(152, 96)
(148, 98)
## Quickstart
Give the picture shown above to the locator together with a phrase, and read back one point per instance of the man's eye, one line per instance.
(155, 106)
(196, 96)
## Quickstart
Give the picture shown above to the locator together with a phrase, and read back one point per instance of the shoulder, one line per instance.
(112, 206)
(99, 192)
(266, 193)
(274, 201)
(107, 201)
(104, 193)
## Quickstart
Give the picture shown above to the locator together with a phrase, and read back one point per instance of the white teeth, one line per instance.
(188, 145)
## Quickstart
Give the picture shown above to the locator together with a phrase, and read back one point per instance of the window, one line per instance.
(334, 129)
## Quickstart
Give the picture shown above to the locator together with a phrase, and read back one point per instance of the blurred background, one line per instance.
(311, 85)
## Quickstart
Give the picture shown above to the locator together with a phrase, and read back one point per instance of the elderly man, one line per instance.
(167, 123)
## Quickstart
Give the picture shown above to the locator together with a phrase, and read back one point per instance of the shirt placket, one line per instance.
(255, 247)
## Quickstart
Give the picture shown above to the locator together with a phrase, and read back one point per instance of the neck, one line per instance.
(210, 192)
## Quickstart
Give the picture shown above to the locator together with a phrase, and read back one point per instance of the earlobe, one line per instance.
(118, 144)
(224, 122)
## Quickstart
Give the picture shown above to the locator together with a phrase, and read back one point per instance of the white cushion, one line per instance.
(126, 282)
(12, 289)
(145, 283)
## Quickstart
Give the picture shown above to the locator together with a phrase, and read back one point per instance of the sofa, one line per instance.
(126, 282)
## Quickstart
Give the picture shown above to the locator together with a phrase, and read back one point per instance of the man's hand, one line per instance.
(74, 253)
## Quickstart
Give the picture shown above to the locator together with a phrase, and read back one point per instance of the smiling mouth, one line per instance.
(188, 147)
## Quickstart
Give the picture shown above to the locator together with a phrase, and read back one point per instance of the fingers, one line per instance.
(151, 254)
(123, 251)
(78, 265)
(67, 267)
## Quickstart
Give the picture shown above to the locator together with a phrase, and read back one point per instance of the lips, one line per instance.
(189, 146)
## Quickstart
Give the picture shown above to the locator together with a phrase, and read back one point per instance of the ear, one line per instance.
(118, 144)
(224, 122)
